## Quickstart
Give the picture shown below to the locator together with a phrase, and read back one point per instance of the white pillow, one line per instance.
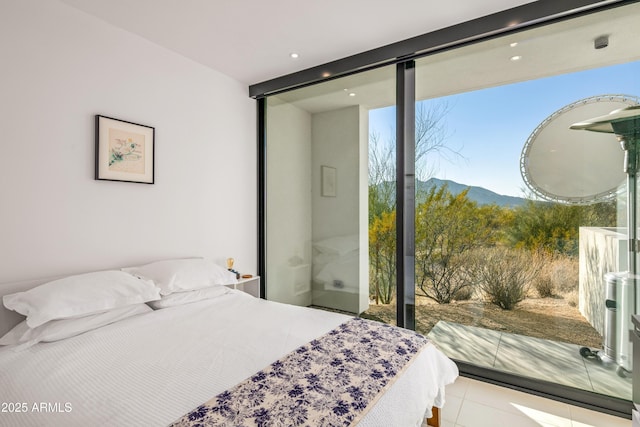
(179, 298)
(80, 295)
(339, 245)
(60, 329)
(179, 275)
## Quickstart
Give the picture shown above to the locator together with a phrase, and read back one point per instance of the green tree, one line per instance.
(448, 227)
(382, 170)
(382, 257)
(554, 227)
(430, 139)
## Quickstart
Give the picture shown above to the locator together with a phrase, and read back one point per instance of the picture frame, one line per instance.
(125, 151)
(329, 181)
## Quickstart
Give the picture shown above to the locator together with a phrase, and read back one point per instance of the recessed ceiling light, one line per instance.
(516, 58)
(352, 94)
(326, 74)
(294, 55)
(514, 44)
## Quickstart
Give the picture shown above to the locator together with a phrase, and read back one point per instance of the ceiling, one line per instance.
(251, 40)
(563, 47)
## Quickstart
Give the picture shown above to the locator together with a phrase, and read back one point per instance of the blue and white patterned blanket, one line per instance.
(331, 381)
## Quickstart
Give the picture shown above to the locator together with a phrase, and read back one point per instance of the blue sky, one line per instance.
(491, 126)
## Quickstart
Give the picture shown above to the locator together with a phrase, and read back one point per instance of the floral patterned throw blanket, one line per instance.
(331, 381)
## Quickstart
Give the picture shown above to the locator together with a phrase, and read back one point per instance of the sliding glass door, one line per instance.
(514, 257)
(521, 223)
(319, 209)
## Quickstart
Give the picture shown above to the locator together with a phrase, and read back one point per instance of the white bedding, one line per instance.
(151, 369)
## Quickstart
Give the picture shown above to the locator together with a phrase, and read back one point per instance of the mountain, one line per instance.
(480, 195)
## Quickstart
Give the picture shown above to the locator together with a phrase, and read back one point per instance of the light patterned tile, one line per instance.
(458, 388)
(543, 416)
(519, 403)
(484, 404)
(474, 414)
(582, 417)
(451, 408)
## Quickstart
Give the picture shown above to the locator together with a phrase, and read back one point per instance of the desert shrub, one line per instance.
(572, 298)
(565, 273)
(558, 275)
(544, 283)
(448, 227)
(544, 286)
(503, 275)
(464, 294)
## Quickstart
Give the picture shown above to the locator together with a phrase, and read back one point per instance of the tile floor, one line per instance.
(533, 357)
(471, 403)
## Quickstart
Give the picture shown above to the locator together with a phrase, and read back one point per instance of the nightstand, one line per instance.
(250, 286)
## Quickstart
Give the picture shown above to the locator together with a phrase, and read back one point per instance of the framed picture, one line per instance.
(124, 151)
(328, 181)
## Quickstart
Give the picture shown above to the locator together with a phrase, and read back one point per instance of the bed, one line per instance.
(157, 366)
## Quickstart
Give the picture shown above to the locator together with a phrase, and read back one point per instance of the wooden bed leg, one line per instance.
(435, 417)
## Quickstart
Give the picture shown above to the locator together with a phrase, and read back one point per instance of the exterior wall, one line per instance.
(602, 250)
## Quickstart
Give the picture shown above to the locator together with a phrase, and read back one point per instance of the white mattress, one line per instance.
(153, 368)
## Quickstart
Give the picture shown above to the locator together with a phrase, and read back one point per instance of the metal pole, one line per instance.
(405, 195)
(631, 167)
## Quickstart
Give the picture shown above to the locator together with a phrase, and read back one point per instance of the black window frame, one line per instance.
(403, 54)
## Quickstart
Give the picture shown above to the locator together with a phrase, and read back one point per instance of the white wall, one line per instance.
(601, 251)
(59, 68)
(289, 214)
(363, 209)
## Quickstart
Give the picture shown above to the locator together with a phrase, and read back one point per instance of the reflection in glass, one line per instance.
(507, 278)
(318, 200)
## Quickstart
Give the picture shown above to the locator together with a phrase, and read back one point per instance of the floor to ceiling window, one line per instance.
(520, 237)
(319, 209)
(519, 217)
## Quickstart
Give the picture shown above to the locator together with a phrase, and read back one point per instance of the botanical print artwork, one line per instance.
(328, 181)
(126, 151)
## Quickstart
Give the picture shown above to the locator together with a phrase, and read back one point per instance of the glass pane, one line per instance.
(319, 206)
(382, 215)
(521, 224)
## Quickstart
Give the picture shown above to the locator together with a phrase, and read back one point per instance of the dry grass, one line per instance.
(558, 276)
(551, 312)
(549, 318)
